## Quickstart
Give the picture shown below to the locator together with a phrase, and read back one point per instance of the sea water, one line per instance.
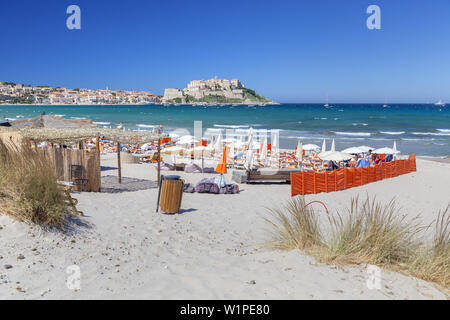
(423, 129)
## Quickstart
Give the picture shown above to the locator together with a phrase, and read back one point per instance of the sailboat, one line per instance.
(326, 105)
(385, 105)
(440, 103)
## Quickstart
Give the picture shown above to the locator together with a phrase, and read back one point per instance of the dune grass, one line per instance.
(369, 232)
(432, 262)
(28, 188)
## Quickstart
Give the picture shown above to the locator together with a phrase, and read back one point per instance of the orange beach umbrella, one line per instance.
(222, 166)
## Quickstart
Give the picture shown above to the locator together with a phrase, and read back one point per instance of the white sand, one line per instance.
(213, 250)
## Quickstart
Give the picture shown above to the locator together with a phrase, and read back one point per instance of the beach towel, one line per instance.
(189, 188)
(230, 189)
(207, 185)
(192, 168)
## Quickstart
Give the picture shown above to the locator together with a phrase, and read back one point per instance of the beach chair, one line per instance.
(76, 177)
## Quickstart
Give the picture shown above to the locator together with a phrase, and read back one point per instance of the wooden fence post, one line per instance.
(99, 165)
(118, 163)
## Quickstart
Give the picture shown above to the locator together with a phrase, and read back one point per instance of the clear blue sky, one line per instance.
(290, 51)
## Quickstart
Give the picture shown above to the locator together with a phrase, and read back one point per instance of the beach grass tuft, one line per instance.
(28, 187)
(432, 262)
(369, 233)
(295, 227)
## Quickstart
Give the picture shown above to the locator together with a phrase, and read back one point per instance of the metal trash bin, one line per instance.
(170, 194)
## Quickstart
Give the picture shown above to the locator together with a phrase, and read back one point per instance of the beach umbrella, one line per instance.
(311, 147)
(232, 151)
(229, 140)
(263, 155)
(385, 151)
(335, 156)
(218, 143)
(211, 143)
(172, 150)
(275, 141)
(222, 166)
(300, 151)
(324, 146)
(333, 146)
(249, 160)
(365, 149)
(352, 150)
(202, 149)
(188, 139)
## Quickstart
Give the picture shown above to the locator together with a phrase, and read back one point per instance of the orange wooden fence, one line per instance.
(344, 178)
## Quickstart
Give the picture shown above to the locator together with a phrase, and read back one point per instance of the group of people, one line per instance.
(360, 160)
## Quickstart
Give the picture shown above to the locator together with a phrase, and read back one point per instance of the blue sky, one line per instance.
(290, 51)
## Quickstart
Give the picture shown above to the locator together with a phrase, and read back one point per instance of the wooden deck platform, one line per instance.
(263, 175)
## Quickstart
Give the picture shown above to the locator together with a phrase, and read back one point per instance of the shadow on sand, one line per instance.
(110, 184)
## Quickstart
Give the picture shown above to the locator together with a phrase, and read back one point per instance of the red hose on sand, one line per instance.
(317, 202)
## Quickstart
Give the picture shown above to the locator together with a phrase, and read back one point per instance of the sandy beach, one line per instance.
(213, 249)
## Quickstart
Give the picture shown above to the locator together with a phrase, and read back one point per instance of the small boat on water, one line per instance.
(440, 103)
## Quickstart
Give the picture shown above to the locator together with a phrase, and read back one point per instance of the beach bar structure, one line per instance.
(84, 163)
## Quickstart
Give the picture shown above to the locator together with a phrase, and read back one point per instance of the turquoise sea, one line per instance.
(419, 128)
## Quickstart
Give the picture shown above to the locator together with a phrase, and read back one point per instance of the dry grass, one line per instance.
(369, 233)
(432, 263)
(293, 230)
(28, 188)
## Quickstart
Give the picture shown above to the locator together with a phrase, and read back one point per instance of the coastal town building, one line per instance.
(202, 89)
(19, 93)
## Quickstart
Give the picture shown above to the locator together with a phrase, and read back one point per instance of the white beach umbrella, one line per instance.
(324, 146)
(275, 142)
(365, 149)
(385, 150)
(232, 149)
(263, 154)
(172, 150)
(352, 150)
(311, 147)
(299, 153)
(335, 156)
(218, 143)
(333, 146)
(186, 140)
(211, 142)
(249, 160)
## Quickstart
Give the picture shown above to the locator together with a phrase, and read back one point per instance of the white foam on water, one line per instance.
(360, 124)
(356, 134)
(145, 126)
(102, 123)
(393, 132)
(230, 126)
(444, 130)
(431, 133)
